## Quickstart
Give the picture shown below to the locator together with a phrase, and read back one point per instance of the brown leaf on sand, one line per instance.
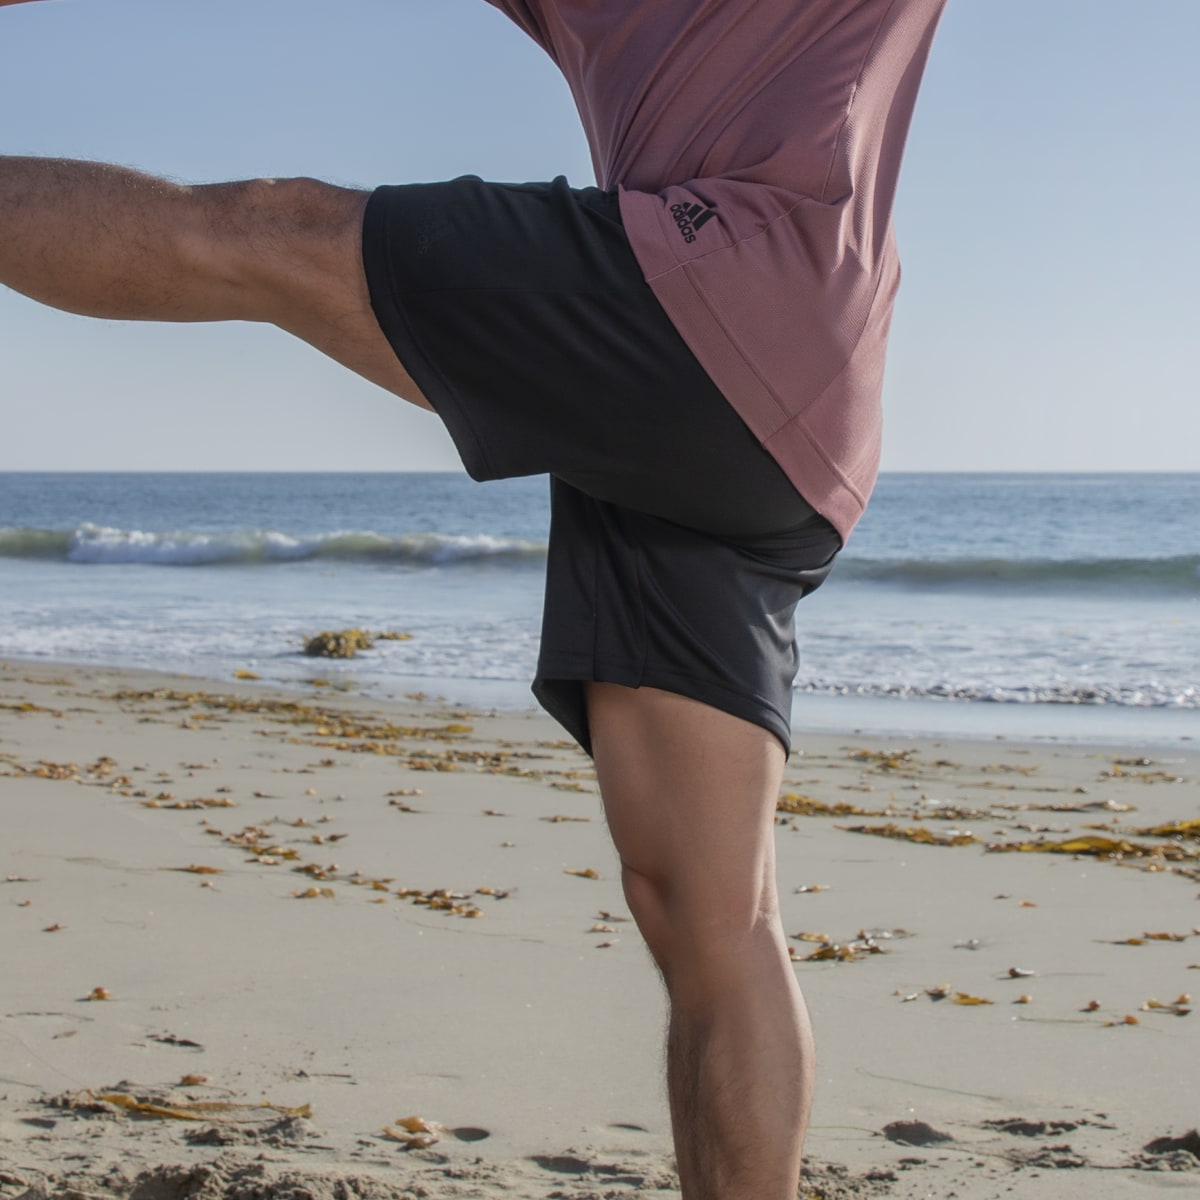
(847, 952)
(192, 1080)
(583, 873)
(195, 869)
(316, 893)
(850, 950)
(195, 1110)
(559, 818)
(1141, 776)
(417, 1125)
(886, 760)
(100, 993)
(1150, 937)
(1179, 1007)
(1126, 1020)
(965, 998)
(1091, 1006)
(455, 904)
(410, 1141)
(56, 928)
(1024, 999)
(184, 805)
(414, 1133)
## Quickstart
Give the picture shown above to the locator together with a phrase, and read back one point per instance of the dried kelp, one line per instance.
(1113, 849)
(916, 833)
(805, 806)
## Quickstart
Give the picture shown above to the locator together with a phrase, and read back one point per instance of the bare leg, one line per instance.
(109, 242)
(690, 795)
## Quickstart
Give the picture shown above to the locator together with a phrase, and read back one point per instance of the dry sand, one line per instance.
(217, 898)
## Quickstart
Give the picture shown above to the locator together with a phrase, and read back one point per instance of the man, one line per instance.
(693, 351)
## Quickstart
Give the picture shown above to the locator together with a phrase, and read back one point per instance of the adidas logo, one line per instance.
(689, 218)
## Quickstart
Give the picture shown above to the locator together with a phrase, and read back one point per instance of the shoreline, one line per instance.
(1094, 725)
(265, 882)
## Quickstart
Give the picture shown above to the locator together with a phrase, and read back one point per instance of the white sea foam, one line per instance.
(94, 544)
(955, 595)
(90, 544)
(1150, 694)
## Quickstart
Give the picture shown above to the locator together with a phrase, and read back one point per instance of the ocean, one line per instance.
(985, 604)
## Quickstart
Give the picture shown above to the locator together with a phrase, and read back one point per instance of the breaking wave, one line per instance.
(98, 544)
(1180, 572)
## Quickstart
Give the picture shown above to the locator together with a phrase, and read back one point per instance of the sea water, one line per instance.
(1055, 605)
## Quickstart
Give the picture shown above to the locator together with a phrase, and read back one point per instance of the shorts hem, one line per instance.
(566, 705)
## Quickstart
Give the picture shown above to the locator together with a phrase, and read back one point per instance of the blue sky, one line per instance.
(1046, 223)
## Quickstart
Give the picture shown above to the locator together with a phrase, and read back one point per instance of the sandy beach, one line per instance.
(301, 944)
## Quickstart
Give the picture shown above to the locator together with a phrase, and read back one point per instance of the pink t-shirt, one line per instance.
(757, 145)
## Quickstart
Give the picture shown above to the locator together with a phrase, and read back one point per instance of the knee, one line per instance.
(699, 936)
(649, 900)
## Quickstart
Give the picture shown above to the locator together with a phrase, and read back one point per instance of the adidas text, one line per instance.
(689, 218)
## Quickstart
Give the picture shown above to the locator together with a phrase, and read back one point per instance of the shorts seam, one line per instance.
(388, 311)
(643, 636)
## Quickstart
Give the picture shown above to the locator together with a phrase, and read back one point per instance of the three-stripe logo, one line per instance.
(690, 217)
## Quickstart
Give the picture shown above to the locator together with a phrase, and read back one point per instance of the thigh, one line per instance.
(689, 795)
(289, 252)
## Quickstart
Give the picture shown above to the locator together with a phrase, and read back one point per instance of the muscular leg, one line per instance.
(690, 795)
(108, 242)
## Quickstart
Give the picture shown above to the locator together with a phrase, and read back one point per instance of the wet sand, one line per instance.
(248, 934)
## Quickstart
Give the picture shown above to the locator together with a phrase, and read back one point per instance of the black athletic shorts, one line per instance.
(678, 547)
